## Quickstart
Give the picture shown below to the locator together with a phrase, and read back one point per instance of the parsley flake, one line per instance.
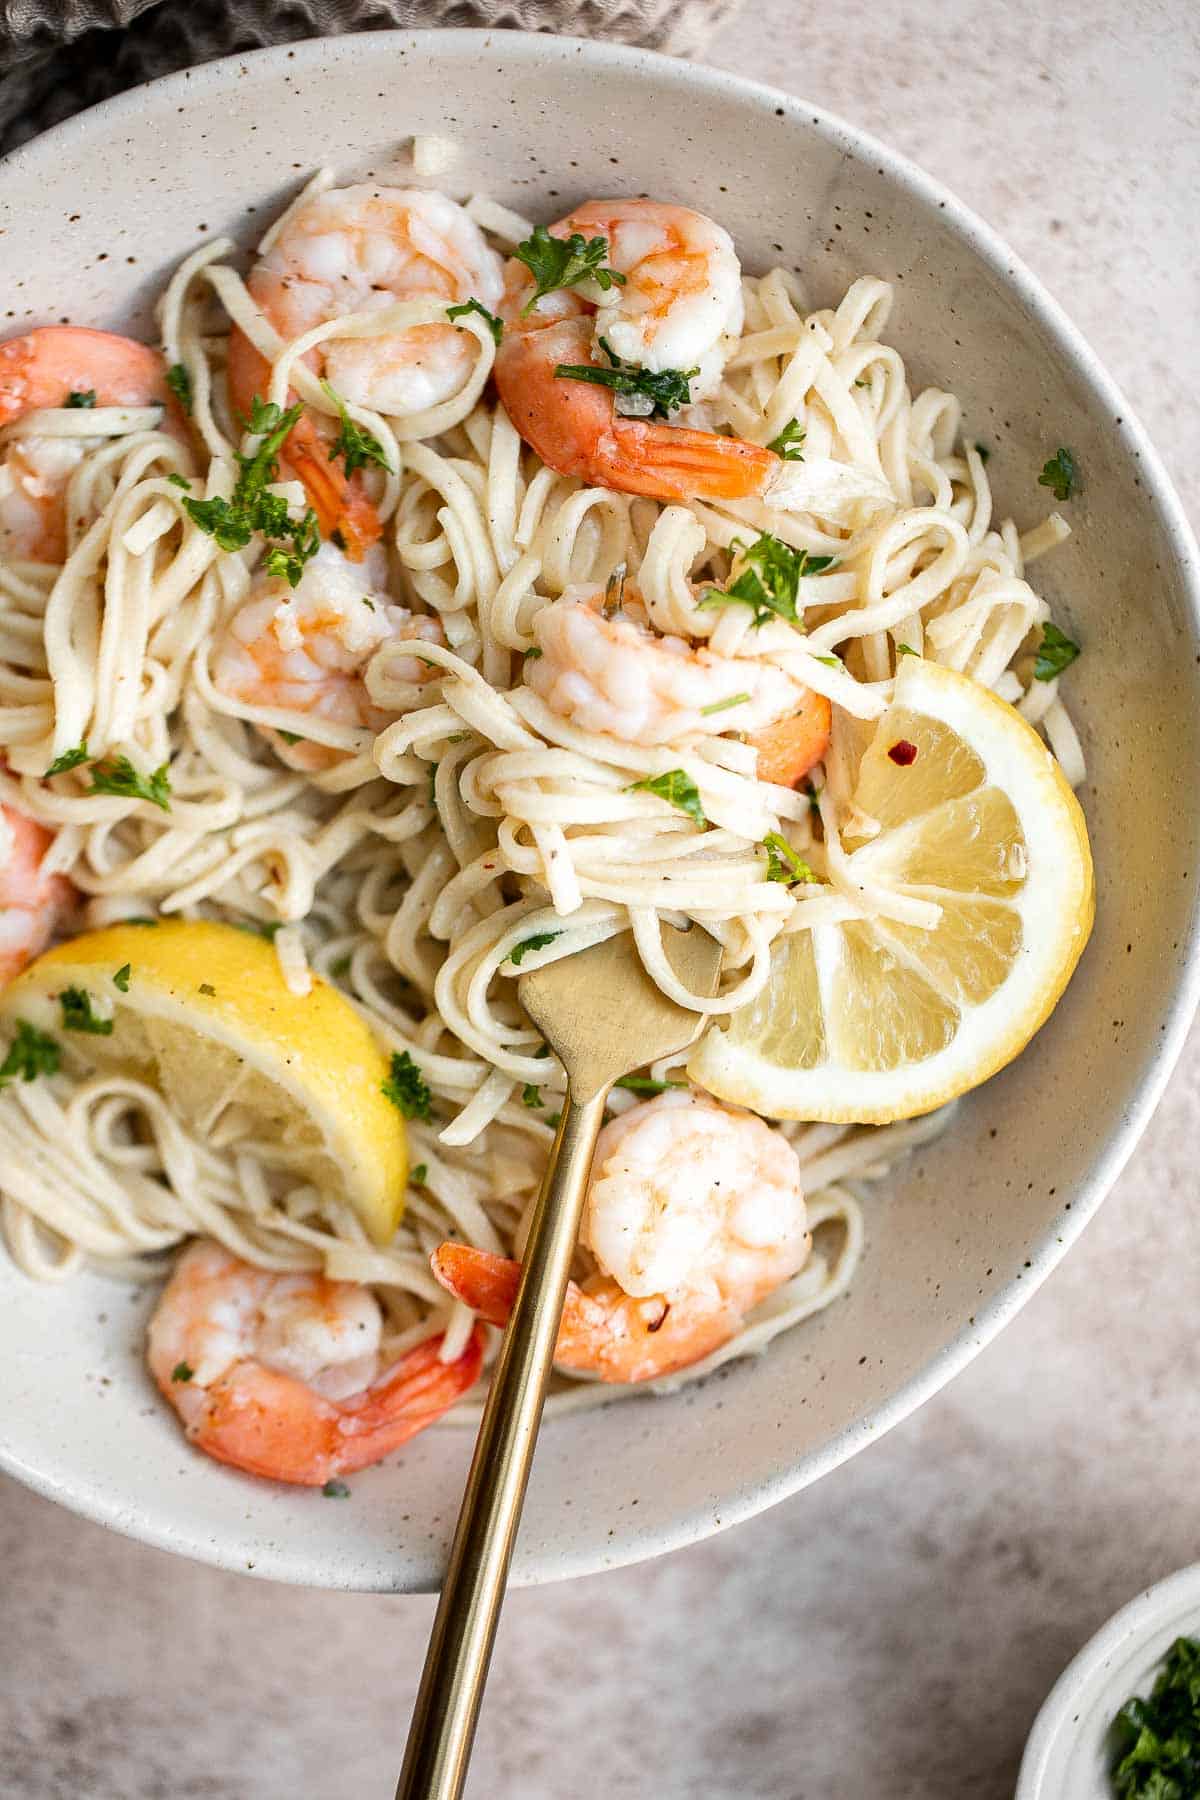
(406, 1087)
(677, 788)
(788, 443)
(180, 481)
(70, 759)
(206, 987)
(289, 737)
(783, 864)
(494, 325)
(80, 398)
(180, 383)
(723, 705)
(665, 389)
(31, 1053)
(532, 654)
(1061, 474)
(182, 1372)
(263, 928)
(1056, 652)
(906, 650)
(419, 1176)
(121, 978)
(642, 1084)
(77, 1014)
(251, 508)
(769, 583)
(354, 444)
(118, 776)
(336, 1490)
(538, 941)
(531, 1095)
(556, 263)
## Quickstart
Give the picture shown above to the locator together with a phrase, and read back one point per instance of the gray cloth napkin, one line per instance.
(58, 56)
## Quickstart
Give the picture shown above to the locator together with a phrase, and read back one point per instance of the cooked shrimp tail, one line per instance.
(575, 428)
(604, 1332)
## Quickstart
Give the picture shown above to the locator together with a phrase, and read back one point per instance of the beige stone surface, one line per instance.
(891, 1632)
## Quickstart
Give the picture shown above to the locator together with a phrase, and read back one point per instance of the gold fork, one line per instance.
(604, 1017)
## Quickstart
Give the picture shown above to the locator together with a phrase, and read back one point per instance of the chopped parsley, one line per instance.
(665, 389)
(782, 862)
(532, 654)
(180, 481)
(406, 1087)
(118, 776)
(906, 650)
(336, 1490)
(789, 443)
(676, 787)
(80, 398)
(723, 705)
(341, 966)
(121, 978)
(831, 662)
(70, 759)
(139, 921)
(770, 580)
(251, 508)
(1158, 1740)
(419, 1176)
(538, 941)
(1056, 652)
(354, 444)
(531, 1095)
(556, 263)
(180, 383)
(31, 1053)
(206, 987)
(182, 1372)
(289, 737)
(77, 1014)
(642, 1084)
(494, 325)
(1061, 475)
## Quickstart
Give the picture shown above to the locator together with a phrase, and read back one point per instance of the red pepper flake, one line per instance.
(903, 752)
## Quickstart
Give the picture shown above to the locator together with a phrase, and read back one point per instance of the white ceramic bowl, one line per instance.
(1069, 1753)
(92, 217)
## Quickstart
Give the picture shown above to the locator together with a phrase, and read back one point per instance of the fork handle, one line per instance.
(460, 1646)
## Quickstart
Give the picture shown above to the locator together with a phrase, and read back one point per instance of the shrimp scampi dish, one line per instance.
(443, 595)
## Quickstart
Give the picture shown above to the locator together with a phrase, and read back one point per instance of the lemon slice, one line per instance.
(872, 1020)
(205, 1015)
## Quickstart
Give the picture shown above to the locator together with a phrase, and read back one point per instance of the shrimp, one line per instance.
(280, 1374)
(679, 308)
(610, 673)
(695, 1213)
(306, 649)
(32, 904)
(42, 370)
(359, 249)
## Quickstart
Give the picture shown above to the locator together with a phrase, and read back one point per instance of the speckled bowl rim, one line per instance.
(693, 1525)
(1176, 1598)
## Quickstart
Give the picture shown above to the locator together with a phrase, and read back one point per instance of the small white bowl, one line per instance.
(1069, 1753)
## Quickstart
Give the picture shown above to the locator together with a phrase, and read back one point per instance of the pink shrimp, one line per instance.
(358, 249)
(44, 369)
(679, 304)
(279, 1374)
(695, 1214)
(32, 904)
(306, 649)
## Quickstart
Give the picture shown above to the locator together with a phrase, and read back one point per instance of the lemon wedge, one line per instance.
(201, 1010)
(875, 1019)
